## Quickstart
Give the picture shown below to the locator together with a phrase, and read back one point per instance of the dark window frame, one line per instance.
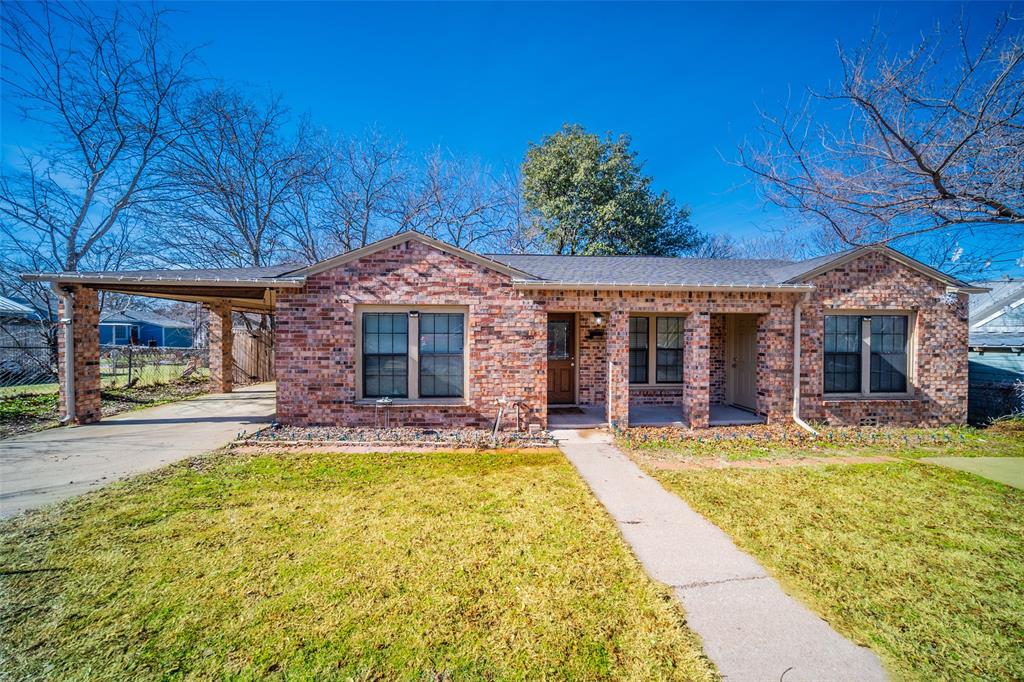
(379, 357)
(447, 354)
(885, 358)
(659, 359)
(639, 356)
(417, 354)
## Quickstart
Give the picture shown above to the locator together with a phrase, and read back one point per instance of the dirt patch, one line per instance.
(700, 463)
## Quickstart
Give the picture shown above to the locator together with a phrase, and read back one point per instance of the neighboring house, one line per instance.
(144, 328)
(997, 350)
(27, 351)
(448, 334)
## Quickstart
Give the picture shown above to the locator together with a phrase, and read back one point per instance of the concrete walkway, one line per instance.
(751, 629)
(51, 465)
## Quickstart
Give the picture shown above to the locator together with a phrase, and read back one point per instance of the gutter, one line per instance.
(69, 354)
(796, 366)
(549, 285)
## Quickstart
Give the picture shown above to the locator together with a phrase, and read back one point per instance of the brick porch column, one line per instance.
(697, 369)
(617, 351)
(221, 358)
(85, 365)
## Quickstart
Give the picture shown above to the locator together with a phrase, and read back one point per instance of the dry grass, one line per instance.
(1004, 438)
(924, 564)
(490, 565)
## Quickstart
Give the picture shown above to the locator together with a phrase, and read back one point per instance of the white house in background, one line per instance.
(996, 358)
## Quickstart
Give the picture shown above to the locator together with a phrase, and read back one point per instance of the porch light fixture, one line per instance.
(414, 314)
(598, 319)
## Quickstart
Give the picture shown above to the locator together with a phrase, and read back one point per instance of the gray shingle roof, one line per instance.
(649, 269)
(267, 272)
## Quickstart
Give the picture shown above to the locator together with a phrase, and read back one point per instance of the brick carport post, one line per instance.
(221, 357)
(697, 369)
(84, 327)
(617, 349)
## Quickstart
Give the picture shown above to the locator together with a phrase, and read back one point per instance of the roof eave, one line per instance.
(550, 285)
(66, 278)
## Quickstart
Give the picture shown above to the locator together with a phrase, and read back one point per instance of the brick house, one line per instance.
(873, 336)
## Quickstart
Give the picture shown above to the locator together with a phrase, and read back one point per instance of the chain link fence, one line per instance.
(31, 367)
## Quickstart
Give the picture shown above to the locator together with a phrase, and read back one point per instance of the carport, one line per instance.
(222, 291)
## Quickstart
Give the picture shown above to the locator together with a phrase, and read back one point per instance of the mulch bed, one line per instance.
(340, 436)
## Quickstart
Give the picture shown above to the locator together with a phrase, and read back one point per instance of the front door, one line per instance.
(743, 375)
(561, 359)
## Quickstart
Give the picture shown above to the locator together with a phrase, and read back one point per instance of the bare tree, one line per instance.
(106, 90)
(236, 175)
(457, 201)
(928, 142)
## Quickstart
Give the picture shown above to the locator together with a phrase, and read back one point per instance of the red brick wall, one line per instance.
(506, 332)
(593, 360)
(222, 368)
(875, 281)
(315, 345)
(717, 359)
(86, 363)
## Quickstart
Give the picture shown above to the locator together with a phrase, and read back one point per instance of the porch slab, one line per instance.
(577, 417)
(656, 415)
(727, 415)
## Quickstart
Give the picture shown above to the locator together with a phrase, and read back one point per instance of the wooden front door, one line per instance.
(742, 378)
(561, 359)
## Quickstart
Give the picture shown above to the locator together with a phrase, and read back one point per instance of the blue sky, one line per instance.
(485, 79)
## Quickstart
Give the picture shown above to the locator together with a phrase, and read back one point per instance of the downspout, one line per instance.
(69, 354)
(796, 364)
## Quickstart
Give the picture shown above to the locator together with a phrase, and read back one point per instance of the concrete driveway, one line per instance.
(52, 465)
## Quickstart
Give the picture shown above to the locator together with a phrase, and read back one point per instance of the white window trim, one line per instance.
(865, 355)
(652, 351)
(413, 376)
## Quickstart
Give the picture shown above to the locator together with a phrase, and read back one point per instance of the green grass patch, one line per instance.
(27, 412)
(1003, 439)
(922, 563)
(494, 565)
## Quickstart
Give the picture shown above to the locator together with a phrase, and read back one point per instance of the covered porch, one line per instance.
(685, 368)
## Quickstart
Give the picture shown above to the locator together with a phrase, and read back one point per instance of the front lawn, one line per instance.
(494, 565)
(922, 563)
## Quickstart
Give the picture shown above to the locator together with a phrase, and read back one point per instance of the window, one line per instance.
(409, 353)
(842, 353)
(670, 350)
(639, 332)
(655, 343)
(385, 355)
(888, 354)
(558, 339)
(441, 344)
(866, 354)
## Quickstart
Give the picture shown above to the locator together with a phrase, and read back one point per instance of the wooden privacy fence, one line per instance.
(253, 353)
